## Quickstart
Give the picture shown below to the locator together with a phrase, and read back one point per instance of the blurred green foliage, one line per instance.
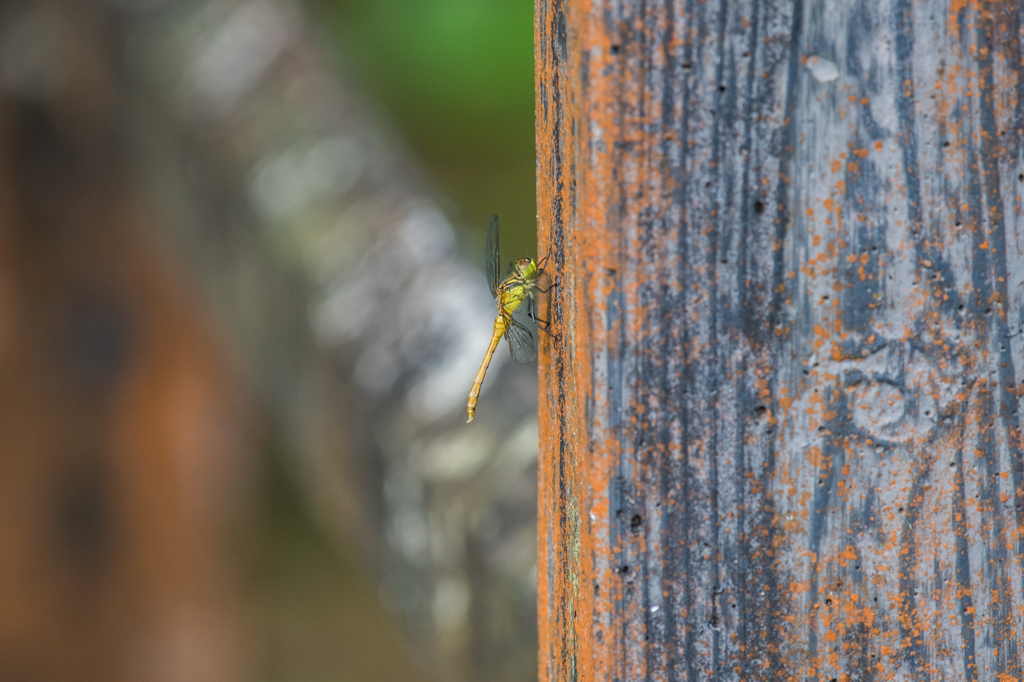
(456, 78)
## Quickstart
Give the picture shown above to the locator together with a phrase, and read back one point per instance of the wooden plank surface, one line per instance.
(779, 433)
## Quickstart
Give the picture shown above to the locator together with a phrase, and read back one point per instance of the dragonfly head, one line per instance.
(526, 267)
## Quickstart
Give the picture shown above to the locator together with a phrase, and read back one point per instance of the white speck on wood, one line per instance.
(823, 70)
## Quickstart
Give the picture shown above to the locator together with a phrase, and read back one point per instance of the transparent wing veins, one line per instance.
(491, 256)
(520, 341)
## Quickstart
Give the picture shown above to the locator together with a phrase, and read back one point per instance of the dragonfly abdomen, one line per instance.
(478, 382)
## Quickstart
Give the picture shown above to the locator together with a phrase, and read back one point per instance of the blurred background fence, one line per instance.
(240, 310)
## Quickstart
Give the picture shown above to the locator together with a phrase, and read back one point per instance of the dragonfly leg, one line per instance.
(540, 268)
(544, 328)
(541, 324)
(554, 285)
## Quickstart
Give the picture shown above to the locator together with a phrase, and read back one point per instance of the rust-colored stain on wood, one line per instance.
(780, 433)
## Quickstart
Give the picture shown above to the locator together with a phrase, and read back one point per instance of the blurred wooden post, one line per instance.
(127, 453)
(780, 434)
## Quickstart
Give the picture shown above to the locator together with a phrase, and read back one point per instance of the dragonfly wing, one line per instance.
(491, 261)
(520, 341)
(542, 284)
(526, 307)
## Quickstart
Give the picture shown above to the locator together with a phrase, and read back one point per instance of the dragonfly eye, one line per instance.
(525, 266)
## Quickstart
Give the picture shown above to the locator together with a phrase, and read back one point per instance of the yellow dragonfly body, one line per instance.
(519, 287)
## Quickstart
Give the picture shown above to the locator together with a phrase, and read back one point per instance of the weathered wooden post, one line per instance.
(780, 435)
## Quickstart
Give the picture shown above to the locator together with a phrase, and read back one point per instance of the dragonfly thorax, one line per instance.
(519, 285)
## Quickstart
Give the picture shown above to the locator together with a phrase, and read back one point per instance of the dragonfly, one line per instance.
(519, 289)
